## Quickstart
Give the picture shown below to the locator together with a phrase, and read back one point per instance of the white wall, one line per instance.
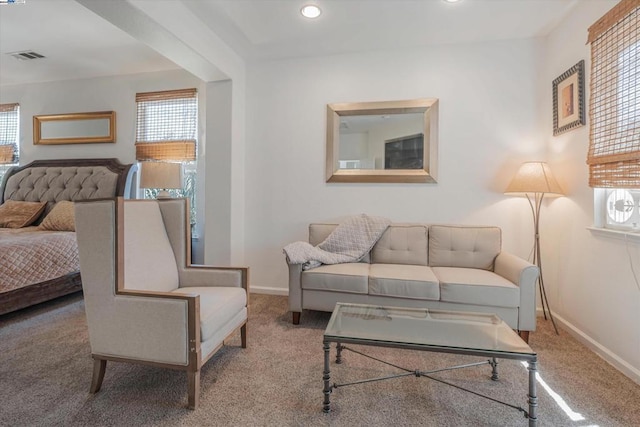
(588, 277)
(488, 126)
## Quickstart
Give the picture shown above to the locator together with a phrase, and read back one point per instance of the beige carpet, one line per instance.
(45, 372)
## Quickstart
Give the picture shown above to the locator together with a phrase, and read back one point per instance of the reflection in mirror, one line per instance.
(387, 141)
(74, 128)
(392, 141)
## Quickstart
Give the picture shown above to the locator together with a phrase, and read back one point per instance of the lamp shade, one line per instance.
(161, 175)
(534, 177)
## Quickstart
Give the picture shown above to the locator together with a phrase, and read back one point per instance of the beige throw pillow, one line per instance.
(17, 214)
(61, 218)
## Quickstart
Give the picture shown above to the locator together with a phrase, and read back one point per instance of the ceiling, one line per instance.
(78, 43)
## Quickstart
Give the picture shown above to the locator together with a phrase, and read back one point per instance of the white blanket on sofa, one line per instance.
(349, 242)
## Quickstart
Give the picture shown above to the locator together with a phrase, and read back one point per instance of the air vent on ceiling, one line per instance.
(25, 55)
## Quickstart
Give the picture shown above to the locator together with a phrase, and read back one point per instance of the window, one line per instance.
(614, 146)
(9, 152)
(166, 131)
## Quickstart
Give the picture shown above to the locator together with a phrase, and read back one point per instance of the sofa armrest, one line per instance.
(295, 287)
(203, 275)
(524, 275)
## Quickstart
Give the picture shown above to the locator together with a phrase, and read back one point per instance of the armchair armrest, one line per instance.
(203, 275)
(161, 327)
(524, 275)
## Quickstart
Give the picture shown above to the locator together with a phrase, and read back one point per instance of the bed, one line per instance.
(38, 250)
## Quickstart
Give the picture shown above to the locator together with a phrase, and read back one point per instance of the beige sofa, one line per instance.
(416, 265)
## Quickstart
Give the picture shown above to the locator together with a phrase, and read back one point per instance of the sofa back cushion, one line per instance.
(460, 246)
(402, 244)
(319, 232)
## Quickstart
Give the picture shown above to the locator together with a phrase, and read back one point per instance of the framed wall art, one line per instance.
(568, 100)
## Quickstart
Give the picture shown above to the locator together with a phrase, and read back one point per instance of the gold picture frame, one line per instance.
(428, 170)
(568, 100)
(75, 128)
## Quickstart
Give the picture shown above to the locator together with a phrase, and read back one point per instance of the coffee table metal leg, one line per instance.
(494, 368)
(339, 353)
(326, 377)
(533, 398)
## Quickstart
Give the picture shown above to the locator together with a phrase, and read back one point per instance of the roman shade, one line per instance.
(9, 133)
(167, 125)
(614, 149)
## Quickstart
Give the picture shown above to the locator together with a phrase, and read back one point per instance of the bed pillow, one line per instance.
(61, 217)
(17, 214)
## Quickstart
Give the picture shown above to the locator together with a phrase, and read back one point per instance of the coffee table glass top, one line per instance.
(424, 327)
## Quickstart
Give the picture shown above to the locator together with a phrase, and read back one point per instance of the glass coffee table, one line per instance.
(476, 334)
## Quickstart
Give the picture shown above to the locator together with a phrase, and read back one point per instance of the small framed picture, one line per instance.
(568, 100)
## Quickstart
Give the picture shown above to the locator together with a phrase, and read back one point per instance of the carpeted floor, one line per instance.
(45, 372)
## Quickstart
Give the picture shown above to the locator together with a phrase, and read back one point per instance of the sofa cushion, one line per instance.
(460, 246)
(476, 286)
(402, 244)
(319, 232)
(218, 305)
(404, 281)
(347, 277)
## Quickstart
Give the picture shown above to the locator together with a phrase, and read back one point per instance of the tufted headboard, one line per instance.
(68, 179)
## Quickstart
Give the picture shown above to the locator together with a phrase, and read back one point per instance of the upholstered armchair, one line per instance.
(144, 301)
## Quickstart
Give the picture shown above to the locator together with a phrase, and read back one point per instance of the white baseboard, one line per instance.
(612, 358)
(269, 290)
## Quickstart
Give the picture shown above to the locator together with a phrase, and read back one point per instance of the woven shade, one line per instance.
(615, 175)
(614, 149)
(167, 125)
(183, 151)
(6, 154)
(166, 94)
(534, 177)
(9, 133)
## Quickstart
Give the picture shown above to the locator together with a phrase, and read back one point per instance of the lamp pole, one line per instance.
(536, 204)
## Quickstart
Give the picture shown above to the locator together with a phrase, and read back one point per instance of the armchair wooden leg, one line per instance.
(524, 335)
(99, 366)
(296, 317)
(243, 335)
(194, 388)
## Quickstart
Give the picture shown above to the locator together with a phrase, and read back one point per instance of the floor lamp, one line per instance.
(535, 180)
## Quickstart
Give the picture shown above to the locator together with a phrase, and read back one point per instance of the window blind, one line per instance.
(167, 125)
(614, 147)
(9, 133)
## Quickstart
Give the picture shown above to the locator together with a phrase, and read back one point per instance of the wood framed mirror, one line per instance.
(75, 128)
(390, 141)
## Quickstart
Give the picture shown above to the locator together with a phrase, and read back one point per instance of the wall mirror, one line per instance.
(75, 128)
(391, 141)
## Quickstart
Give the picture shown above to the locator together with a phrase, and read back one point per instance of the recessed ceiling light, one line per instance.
(310, 11)
(452, 1)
